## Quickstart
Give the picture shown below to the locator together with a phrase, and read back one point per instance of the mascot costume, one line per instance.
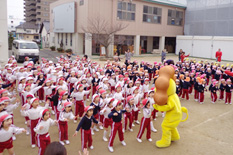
(167, 100)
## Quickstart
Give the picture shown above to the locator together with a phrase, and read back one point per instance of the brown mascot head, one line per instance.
(162, 83)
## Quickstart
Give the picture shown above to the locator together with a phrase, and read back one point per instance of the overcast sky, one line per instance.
(15, 9)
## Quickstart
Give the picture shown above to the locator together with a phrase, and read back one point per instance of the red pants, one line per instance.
(101, 118)
(33, 134)
(22, 98)
(86, 137)
(150, 76)
(96, 116)
(128, 115)
(63, 130)
(221, 97)
(207, 81)
(43, 141)
(145, 124)
(180, 92)
(79, 108)
(93, 90)
(185, 92)
(228, 98)
(107, 122)
(153, 114)
(191, 89)
(201, 97)
(116, 126)
(41, 93)
(6, 145)
(112, 88)
(196, 94)
(70, 86)
(135, 115)
(214, 97)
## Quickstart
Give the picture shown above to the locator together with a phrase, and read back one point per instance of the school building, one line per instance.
(152, 25)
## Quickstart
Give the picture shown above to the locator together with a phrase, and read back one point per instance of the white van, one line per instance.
(23, 48)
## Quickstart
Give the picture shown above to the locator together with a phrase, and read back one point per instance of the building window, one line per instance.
(175, 17)
(46, 14)
(126, 11)
(71, 39)
(66, 39)
(152, 14)
(81, 2)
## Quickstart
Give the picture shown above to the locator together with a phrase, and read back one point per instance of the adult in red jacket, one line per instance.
(182, 56)
(218, 55)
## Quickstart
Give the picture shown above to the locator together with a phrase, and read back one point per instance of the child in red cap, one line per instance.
(116, 116)
(85, 126)
(34, 116)
(6, 133)
(41, 129)
(64, 117)
(145, 122)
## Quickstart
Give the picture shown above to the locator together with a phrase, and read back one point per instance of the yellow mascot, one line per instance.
(168, 101)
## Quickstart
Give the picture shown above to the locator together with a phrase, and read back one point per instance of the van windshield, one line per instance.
(28, 46)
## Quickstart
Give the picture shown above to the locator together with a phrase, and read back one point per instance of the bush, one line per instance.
(69, 51)
(60, 49)
(53, 48)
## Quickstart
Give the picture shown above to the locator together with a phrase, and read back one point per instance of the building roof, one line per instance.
(45, 25)
(168, 3)
(27, 25)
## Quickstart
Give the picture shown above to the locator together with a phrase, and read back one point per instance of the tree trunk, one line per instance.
(107, 52)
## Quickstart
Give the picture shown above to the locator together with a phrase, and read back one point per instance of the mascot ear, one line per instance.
(162, 84)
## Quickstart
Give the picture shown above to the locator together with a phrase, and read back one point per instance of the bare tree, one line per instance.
(102, 31)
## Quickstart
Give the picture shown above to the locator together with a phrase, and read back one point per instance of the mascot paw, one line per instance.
(161, 143)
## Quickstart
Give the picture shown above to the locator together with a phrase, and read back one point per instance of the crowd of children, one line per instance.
(118, 94)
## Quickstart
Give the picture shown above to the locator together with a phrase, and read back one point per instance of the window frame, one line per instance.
(150, 13)
(175, 16)
(123, 12)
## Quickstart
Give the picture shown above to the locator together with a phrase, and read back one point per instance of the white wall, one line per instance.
(3, 31)
(205, 46)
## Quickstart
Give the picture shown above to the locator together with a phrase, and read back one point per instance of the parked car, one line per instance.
(23, 48)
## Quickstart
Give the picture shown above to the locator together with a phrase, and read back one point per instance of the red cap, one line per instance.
(144, 102)
(3, 99)
(118, 86)
(121, 76)
(29, 95)
(88, 108)
(78, 86)
(94, 97)
(43, 112)
(102, 91)
(67, 104)
(2, 91)
(33, 100)
(62, 93)
(4, 117)
(98, 87)
(129, 98)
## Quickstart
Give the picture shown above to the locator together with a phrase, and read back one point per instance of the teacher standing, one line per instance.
(218, 55)
(128, 56)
